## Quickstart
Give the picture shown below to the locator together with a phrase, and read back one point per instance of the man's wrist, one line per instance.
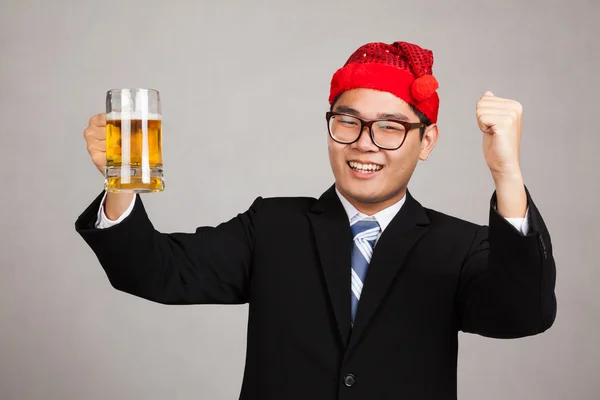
(511, 198)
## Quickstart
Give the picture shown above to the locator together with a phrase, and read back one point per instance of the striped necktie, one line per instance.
(365, 233)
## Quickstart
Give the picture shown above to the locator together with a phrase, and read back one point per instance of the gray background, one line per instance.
(221, 67)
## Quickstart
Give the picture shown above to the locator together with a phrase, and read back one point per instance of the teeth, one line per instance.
(364, 167)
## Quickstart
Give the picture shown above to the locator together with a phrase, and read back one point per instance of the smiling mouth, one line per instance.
(364, 168)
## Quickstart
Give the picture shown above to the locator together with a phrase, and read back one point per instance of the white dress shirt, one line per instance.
(102, 222)
(383, 217)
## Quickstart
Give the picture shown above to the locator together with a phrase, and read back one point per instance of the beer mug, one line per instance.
(133, 141)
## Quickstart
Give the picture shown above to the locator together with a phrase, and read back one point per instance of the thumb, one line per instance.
(488, 93)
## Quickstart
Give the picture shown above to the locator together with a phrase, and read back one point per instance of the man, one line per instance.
(361, 293)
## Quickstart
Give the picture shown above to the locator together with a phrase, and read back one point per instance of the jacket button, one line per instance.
(349, 380)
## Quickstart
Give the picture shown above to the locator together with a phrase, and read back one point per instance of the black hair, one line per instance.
(422, 118)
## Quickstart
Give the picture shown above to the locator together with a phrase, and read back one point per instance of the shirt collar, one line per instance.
(383, 217)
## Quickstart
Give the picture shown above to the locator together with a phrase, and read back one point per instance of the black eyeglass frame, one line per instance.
(408, 126)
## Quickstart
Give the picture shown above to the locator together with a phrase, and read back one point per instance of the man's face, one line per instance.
(373, 191)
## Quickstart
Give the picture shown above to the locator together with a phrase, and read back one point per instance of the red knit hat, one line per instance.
(402, 68)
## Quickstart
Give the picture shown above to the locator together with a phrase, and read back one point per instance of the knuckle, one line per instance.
(98, 120)
(519, 108)
(93, 133)
(98, 158)
(515, 105)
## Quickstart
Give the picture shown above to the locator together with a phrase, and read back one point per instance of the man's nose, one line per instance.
(364, 142)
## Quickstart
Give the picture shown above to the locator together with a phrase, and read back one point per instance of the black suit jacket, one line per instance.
(431, 275)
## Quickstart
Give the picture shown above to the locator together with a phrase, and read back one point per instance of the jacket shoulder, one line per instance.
(287, 204)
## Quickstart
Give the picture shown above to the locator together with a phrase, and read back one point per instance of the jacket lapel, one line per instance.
(405, 229)
(333, 237)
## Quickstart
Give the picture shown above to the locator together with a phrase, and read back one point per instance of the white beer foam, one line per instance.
(114, 115)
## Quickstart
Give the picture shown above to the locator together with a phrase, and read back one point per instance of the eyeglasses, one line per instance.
(387, 134)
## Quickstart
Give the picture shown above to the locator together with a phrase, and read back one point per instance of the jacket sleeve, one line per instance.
(210, 266)
(506, 285)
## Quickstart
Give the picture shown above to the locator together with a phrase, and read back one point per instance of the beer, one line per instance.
(133, 146)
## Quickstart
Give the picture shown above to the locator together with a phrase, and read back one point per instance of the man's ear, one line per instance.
(428, 142)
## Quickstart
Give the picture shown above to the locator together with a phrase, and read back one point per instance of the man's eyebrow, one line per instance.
(399, 116)
(347, 110)
(353, 111)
